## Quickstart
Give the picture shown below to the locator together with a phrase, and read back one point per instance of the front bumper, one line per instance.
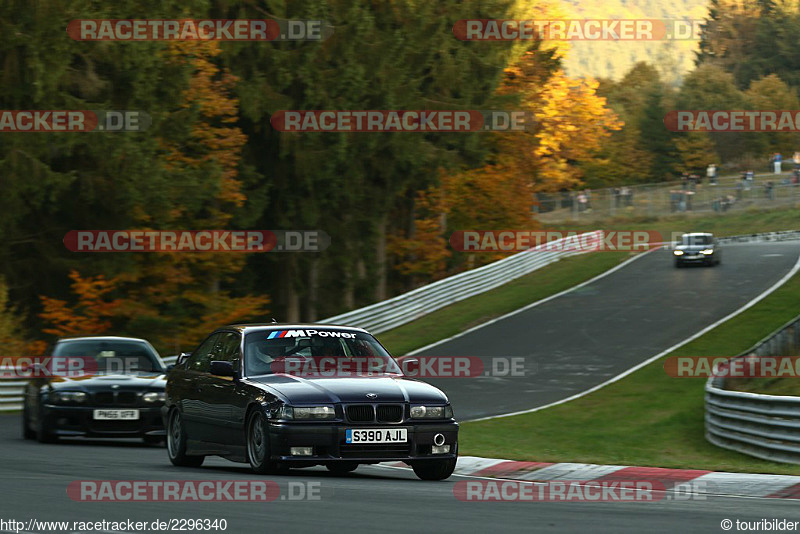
(79, 421)
(699, 258)
(329, 444)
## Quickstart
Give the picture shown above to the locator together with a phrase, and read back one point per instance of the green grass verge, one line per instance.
(473, 311)
(572, 271)
(647, 418)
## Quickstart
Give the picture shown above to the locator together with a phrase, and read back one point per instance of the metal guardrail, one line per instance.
(414, 304)
(11, 388)
(404, 308)
(407, 307)
(10, 392)
(764, 426)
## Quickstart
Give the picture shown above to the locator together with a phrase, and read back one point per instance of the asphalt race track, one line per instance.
(573, 342)
(373, 499)
(593, 333)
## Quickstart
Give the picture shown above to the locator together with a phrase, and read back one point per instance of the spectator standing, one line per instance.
(581, 202)
(777, 162)
(711, 172)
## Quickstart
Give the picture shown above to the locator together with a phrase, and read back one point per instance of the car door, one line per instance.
(229, 393)
(190, 384)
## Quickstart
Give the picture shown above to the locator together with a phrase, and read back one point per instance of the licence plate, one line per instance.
(376, 435)
(122, 415)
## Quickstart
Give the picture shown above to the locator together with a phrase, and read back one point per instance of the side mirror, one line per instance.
(219, 368)
(183, 357)
(409, 365)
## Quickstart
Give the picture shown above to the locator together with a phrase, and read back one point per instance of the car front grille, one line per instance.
(389, 413)
(382, 413)
(116, 398)
(126, 397)
(104, 397)
(361, 413)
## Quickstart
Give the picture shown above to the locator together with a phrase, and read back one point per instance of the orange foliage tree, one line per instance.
(176, 298)
(91, 314)
(569, 124)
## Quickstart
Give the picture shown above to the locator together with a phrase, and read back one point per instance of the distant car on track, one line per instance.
(278, 396)
(118, 393)
(700, 248)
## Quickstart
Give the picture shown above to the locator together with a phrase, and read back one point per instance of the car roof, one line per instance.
(102, 338)
(253, 327)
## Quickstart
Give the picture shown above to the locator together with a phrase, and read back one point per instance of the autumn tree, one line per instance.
(91, 314)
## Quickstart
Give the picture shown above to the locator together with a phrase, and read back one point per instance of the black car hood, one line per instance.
(301, 390)
(139, 381)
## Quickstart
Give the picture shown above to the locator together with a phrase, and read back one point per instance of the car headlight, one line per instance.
(678, 252)
(432, 412)
(707, 251)
(67, 397)
(307, 412)
(154, 396)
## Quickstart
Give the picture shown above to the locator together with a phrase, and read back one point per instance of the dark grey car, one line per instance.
(698, 248)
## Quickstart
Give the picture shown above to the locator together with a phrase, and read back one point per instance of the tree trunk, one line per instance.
(291, 300)
(380, 260)
(313, 286)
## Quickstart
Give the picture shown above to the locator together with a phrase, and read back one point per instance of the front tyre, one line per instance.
(27, 432)
(43, 434)
(342, 468)
(258, 450)
(434, 469)
(176, 443)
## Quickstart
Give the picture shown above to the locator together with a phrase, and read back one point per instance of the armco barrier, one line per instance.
(407, 307)
(10, 393)
(764, 426)
(404, 308)
(11, 388)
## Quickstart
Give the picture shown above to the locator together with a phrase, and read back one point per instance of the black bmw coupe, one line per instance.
(279, 396)
(109, 387)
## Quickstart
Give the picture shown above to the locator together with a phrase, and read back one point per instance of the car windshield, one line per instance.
(111, 356)
(693, 240)
(322, 353)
